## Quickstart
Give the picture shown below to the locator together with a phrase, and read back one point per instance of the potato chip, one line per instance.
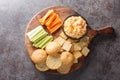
(39, 56)
(53, 62)
(64, 69)
(42, 66)
(67, 58)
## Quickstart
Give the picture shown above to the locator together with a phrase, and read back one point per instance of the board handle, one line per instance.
(102, 31)
(105, 31)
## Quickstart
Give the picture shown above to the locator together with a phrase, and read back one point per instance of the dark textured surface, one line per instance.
(103, 63)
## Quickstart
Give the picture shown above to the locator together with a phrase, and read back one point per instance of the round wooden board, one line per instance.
(63, 12)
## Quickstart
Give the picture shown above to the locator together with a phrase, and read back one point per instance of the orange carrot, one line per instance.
(56, 21)
(42, 20)
(50, 19)
(56, 27)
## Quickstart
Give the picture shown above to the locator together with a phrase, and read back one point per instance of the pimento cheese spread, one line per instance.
(75, 26)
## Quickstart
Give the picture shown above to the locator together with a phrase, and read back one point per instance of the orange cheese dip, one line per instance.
(75, 26)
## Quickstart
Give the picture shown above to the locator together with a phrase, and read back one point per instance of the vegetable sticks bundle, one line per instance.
(39, 37)
(51, 20)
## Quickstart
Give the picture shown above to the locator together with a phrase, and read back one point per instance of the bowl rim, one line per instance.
(70, 36)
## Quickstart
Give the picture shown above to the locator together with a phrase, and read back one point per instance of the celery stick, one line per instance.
(38, 43)
(35, 45)
(38, 37)
(34, 31)
(41, 36)
(45, 41)
(37, 34)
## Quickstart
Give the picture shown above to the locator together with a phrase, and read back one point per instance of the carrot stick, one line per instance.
(42, 20)
(56, 21)
(56, 27)
(50, 19)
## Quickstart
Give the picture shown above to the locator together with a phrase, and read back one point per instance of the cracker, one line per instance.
(85, 51)
(77, 54)
(76, 46)
(67, 46)
(76, 61)
(63, 35)
(60, 40)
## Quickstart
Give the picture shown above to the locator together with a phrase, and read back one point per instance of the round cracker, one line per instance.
(67, 58)
(42, 66)
(39, 56)
(53, 62)
(64, 69)
(52, 48)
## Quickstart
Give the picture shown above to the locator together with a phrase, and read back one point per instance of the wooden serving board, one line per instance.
(63, 12)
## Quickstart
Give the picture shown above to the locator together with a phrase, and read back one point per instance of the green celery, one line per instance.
(45, 41)
(35, 45)
(34, 31)
(38, 43)
(41, 36)
(37, 35)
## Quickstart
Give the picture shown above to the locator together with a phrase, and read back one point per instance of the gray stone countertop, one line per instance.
(103, 63)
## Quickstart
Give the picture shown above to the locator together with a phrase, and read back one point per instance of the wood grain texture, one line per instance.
(63, 12)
